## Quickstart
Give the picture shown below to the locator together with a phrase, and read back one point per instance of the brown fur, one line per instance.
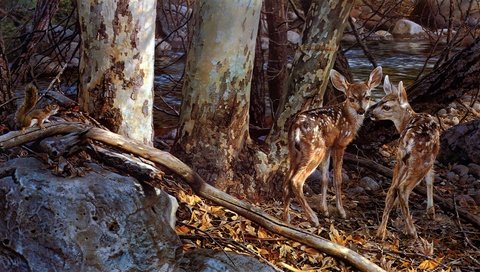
(416, 153)
(26, 117)
(316, 134)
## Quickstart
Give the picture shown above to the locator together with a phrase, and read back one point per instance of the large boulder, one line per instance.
(99, 222)
(207, 260)
(461, 143)
(436, 14)
(406, 29)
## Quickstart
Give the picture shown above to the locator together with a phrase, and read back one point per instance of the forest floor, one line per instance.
(447, 243)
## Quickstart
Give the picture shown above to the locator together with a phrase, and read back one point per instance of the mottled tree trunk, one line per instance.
(6, 92)
(216, 94)
(277, 50)
(307, 82)
(116, 65)
(213, 134)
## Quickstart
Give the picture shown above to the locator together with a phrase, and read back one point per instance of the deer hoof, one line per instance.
(431, 213)
(381, 233)
(342, 213)
(314, 220)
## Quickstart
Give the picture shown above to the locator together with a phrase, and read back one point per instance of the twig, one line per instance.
(467, 240)
(211, 238)
(296, 11)
(199, 186)
(361, 43)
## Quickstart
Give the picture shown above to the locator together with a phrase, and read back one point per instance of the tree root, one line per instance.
(199, 186)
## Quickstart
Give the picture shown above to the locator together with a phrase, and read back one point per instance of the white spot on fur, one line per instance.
(297, 135)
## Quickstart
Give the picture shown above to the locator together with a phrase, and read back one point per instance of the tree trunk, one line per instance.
(277, 51)
(216, 93)
(44, 11)
(6, 92)
(116, 65)
(258, 91)
(213, 136)
(435, 91)
(314, 59)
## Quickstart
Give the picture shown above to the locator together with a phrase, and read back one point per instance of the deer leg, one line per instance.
(287, 197)
(337, 179)
(390, 202)
(429, 181)
(324, 168)
(404, 190)
(298, 180)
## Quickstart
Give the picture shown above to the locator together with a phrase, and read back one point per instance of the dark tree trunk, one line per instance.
(332, 95)
(258, 91)
(435, 91)
(6, 92)
(44, 12)
(277, 50)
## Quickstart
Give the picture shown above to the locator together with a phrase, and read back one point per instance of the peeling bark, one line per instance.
(308, 80)
(216, 93)
(116, 65)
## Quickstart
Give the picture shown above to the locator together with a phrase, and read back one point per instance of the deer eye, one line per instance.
(368, 97)
(387, 108)
(351, 99)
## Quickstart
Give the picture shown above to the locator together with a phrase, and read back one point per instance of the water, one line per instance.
(399, 60)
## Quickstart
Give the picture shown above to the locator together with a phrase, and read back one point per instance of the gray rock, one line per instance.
(461, 143)
(99, 222)
(474, 169)
(455, 120)
(293, 37)
(348, 38)
(442, 112)
(357, 190)
(452, 176)
(476, 197)
(369, 184)
(405, 28)
(208, 260)
(460, 169)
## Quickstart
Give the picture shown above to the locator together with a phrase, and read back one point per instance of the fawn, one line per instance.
(417, 149)
(316, 134)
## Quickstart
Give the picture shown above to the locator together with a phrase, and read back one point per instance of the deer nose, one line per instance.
(361, 111)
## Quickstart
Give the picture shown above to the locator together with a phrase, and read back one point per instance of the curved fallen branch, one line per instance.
(200, 187)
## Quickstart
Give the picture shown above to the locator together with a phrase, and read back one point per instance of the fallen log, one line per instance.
(199, 186)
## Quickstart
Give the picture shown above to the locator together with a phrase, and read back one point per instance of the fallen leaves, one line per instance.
(215, 227)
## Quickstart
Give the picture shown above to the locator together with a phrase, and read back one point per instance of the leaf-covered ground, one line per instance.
(445, 244)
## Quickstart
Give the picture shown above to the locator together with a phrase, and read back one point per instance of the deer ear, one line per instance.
(402, 95)
(375, 77)
(387, 86)
(339, 81)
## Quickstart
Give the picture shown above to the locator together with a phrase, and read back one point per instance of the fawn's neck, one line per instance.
(403, 118)
(352, 117)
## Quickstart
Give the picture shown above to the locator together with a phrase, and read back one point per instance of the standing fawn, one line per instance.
(316, 134)
(418, 146)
